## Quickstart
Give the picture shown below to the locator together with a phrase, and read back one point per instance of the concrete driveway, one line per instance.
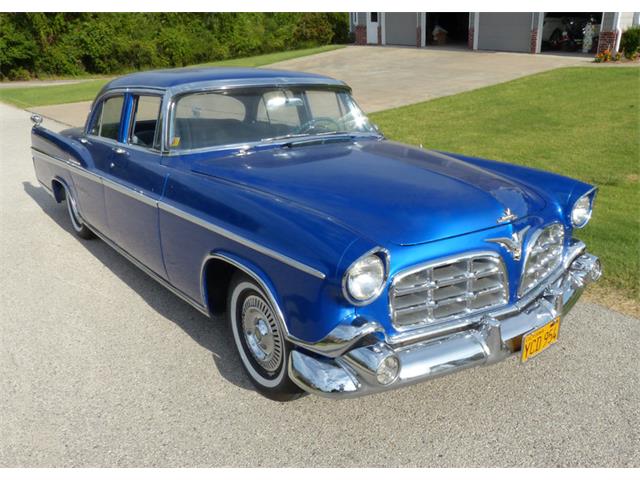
(100, 366)
(388, 77)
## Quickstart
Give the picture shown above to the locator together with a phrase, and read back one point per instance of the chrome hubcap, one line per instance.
(261, 333)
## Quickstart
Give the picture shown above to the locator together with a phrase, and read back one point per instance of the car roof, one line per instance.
(178, 78)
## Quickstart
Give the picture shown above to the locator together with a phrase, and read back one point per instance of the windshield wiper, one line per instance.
(321, 138)
(285, 137)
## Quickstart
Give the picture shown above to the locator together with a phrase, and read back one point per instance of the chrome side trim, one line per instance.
(129, 192)
(241, 240)
(180, 213)
(151, 273)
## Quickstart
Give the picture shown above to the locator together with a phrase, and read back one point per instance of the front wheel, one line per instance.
(76, 220)
(261, 344)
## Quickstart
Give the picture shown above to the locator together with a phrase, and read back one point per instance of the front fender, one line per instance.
(560, 191)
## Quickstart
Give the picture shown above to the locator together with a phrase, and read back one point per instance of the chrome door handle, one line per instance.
(119, 150)
(83, 140)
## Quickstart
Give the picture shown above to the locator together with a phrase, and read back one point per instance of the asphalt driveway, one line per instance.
(100, 366)
(388, 77)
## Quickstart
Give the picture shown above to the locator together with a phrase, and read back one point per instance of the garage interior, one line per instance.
(456, 25)
(565, 32)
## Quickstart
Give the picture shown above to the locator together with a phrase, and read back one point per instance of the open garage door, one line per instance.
(400, 28)
(571, 32)
(509, 32)
(447, 28)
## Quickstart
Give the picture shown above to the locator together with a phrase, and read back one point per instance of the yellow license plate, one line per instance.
(540, 339)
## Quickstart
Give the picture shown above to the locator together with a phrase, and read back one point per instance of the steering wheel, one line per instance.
(329, 123)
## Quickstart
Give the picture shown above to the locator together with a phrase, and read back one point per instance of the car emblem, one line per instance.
(507, 216)
(512, 245)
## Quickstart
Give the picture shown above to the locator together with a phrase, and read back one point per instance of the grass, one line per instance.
(26, 97)
(580, 122)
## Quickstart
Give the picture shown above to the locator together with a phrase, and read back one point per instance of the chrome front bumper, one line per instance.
(346, 362)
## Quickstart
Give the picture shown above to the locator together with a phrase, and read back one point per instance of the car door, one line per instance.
(100, 139)
(134, 181)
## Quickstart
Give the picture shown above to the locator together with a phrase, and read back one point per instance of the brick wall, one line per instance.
(607, 41)
(534, 40)
(361, 35)
(470, 38)
(418, 36)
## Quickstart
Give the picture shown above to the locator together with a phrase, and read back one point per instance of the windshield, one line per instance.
(213, 119)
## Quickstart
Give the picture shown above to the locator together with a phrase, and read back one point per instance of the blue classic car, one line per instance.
(345, 263)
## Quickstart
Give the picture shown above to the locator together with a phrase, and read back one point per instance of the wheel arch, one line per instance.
(59, 187)
(216, 273)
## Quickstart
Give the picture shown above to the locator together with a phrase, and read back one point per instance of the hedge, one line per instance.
(630, 42)
(35, 44)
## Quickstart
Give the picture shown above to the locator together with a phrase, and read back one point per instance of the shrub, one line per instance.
(312, 29)
(630, 42)
(107, 43)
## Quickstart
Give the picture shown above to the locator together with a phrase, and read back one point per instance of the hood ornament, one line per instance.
(512, 245)
(507, 216)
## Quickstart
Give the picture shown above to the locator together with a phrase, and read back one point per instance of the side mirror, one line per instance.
(36, 119)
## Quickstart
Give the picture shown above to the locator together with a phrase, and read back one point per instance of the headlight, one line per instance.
(581, 212)
(364, 279)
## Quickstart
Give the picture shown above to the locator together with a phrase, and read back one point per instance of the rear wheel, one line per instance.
(259, 339)
(76, 220)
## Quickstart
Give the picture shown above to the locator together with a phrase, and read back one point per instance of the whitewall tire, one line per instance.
(259, 339)
(74, 215)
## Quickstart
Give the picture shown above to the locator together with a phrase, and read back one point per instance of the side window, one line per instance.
(208, 119)
(280, 107)
(211, 106)
(106, 122)
(144, 129)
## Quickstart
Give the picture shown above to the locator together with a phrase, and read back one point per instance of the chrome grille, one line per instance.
(544, 255)
(448, 289)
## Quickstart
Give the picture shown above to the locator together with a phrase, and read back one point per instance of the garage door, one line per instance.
(400, 28)
(505, 31)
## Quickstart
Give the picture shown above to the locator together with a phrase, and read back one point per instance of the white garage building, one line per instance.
(532, 32)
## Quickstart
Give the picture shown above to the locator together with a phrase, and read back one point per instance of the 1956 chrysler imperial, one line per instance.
(346, 264)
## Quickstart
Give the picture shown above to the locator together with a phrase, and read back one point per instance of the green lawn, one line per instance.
(580, 122)
(37, 96)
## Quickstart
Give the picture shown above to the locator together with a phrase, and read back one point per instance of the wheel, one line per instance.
(76, 220)
(259, 339)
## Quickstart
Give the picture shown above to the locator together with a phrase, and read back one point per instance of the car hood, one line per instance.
(386, 191)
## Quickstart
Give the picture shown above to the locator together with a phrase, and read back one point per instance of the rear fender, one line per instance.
(60, 146)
